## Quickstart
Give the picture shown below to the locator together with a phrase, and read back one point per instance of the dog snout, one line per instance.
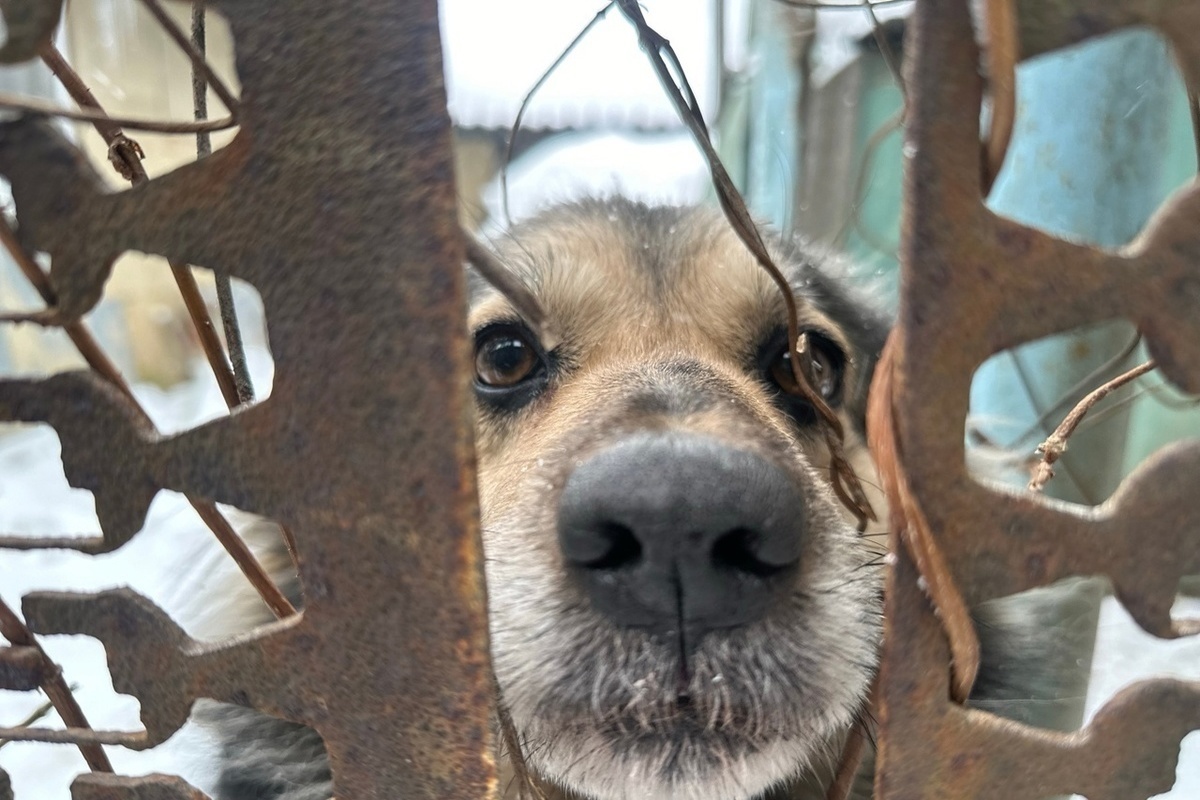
(681, 533)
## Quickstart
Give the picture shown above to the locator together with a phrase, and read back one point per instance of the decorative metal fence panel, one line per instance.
(973, 284)
(336, 202)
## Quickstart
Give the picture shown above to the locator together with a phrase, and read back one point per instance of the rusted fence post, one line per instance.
(973, 284)
(336, 201)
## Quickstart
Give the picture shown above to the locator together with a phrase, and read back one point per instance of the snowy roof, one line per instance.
(496, 51)
(664, 168)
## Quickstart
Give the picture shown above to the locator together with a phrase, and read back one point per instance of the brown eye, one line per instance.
(504, 357)
(826, 366)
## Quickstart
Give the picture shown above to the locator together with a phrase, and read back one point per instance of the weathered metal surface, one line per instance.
(933, 749)
(336, 202)
(29, 24)
(1046, 25)
(974, 283)
(102, 786)
(22, 669)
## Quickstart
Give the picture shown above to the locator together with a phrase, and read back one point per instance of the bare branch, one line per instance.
(671, 75)
(15, 631)
(35, 106)
(500, 277)
(199, 62)
(1056, 444)
(1003, 50)
(516, 126)
(225, 302)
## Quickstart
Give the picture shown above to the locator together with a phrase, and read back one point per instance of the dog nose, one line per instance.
(680, 533)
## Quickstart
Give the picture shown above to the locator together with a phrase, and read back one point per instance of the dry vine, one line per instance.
(1056, 444)
(54, 685)
(671, 75)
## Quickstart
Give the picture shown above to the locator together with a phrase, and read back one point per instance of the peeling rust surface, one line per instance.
(102, 786)
(30, 24)
(22, 669)
(336, 201)
(1047, 25)
(974, 283)
(934, 749)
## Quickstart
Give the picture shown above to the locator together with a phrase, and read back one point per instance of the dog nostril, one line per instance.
(620, 549)
(738, 550)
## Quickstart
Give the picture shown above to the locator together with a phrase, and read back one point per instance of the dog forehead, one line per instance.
(616, 272)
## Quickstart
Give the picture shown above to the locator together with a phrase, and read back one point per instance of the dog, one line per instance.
(679, 605)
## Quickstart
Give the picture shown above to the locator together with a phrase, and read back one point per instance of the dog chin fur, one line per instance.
(696, 775)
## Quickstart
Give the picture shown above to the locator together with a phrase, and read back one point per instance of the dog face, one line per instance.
(679, 606)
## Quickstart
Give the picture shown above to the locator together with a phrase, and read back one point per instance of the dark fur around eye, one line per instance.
(511, 368)
(829, 362)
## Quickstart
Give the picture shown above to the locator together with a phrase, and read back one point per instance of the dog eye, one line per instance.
(504, 357)
(828, 364)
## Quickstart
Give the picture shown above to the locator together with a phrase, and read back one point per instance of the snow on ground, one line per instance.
(167, 562)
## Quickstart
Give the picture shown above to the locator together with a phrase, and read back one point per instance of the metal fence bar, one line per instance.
(336, 201)
(974, 283)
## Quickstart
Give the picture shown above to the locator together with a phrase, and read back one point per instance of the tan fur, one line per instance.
(627, 303)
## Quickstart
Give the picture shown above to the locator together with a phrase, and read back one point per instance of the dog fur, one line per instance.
(664, 318)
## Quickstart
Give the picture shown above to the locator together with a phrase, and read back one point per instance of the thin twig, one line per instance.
(77, 332)
(1056, 444)
(36, 106)
(516, 126)
(210, 343)
(39, 712)
(199, 62)
(885, 49)
(225, 302)
(1158, 391)
(125, 154)
(1081, 385)
(870, 149)
(233, 338)
(1027, 382)
(499, 276)
(78, 735)
(96, 358)
(15, 631)
(674, 81)
(1194, 107)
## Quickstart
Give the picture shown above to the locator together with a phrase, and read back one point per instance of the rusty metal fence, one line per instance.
(335, 201)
